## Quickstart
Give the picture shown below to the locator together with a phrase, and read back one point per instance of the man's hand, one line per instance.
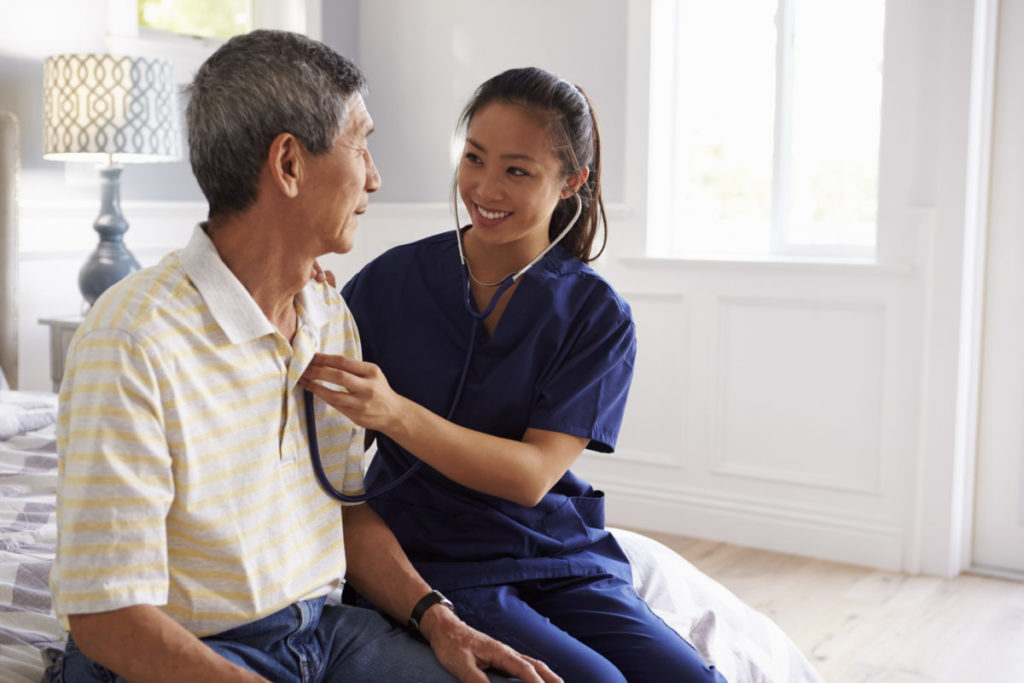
(466, 653)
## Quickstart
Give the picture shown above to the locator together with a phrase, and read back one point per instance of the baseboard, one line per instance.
(809, 533)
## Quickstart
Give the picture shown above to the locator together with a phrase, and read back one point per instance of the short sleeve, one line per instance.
(116, 483)
(584, 392)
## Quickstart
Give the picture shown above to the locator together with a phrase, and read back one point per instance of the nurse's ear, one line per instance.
(574, 182)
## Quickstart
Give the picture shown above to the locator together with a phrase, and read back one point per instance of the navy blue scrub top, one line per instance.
(560, 359)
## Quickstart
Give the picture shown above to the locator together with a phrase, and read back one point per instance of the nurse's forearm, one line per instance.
(520, 471)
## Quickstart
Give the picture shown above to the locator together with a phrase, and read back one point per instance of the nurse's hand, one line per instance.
(466, 653)
(365, 397)
(321, 275)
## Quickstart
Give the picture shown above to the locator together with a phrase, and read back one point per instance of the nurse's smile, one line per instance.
(489, 218)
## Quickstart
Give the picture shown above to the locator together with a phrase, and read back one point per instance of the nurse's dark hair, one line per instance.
(253, 88)
(575, 140)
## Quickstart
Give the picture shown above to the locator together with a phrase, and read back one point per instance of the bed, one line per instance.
(743, 643)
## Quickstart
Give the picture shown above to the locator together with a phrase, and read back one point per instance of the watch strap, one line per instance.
(426, 602)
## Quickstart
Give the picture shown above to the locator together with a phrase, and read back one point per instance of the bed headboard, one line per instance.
(9, 247)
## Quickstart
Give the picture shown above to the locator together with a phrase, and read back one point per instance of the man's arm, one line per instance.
(379, 569)
(141, 643)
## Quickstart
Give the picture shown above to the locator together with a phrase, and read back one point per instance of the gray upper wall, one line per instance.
(422, 59)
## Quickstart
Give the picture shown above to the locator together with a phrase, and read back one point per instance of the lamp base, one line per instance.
(110, 261)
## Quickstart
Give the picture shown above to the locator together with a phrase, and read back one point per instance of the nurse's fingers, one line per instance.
(355, 376)
(356, 367)
(342, 401)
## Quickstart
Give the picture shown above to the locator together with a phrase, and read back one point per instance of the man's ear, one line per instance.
(574, 182)
(285, 163)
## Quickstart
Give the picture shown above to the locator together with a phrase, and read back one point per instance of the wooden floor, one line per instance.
(857, 624)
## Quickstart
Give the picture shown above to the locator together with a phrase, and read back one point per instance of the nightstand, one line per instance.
(62, 328)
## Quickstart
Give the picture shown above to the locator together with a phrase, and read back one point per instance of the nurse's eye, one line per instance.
(518, 172)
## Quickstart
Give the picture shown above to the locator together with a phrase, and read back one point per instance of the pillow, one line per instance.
(25, 411)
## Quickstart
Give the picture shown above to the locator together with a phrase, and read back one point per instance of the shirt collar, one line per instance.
(230, 303)
(312, 308)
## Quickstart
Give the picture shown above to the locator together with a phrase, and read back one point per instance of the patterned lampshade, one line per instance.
(110, 108)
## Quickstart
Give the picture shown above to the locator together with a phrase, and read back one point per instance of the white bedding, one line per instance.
(744, 644)
(23, 411)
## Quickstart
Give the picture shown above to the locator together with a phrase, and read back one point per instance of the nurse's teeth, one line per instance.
(492, 215)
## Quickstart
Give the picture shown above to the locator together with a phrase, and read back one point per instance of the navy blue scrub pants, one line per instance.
(593, 629)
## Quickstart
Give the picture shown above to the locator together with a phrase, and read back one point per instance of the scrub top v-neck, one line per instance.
(560, 359)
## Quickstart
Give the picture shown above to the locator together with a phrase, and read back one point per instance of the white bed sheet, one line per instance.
(744, 644)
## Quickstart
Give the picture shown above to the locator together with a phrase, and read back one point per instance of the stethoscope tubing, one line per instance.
(314, 444)
(478, 316)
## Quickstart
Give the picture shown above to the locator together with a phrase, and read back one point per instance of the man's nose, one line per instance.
(373, 180)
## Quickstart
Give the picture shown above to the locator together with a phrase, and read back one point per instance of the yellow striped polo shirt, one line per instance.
(185, 479)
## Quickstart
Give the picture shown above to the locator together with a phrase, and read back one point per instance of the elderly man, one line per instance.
(194, 541)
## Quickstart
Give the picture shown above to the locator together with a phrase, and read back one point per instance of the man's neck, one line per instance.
(272, 271)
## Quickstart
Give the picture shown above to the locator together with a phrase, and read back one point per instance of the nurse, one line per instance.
(495, 374)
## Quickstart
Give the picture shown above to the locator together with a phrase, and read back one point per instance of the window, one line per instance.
(767, 127)
(186, 32)
(200, 18)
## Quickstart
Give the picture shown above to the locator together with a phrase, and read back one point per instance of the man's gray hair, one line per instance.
(255, 87)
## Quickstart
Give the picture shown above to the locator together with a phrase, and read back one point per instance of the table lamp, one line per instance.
(112, 110)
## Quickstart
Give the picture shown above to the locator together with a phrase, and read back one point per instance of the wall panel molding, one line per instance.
(808, 531)
(661, 378)
(799, 391)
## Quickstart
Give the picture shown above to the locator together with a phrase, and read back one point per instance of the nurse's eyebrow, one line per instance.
(480, 147)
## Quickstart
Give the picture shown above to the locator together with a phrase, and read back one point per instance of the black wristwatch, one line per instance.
(426, 602)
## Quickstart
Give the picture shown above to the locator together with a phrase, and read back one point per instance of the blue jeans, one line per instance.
(307, 642)
(592, 629)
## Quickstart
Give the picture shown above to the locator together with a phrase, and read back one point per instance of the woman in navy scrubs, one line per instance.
(496, 380)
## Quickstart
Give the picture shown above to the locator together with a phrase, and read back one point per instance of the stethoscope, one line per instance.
(506, 283)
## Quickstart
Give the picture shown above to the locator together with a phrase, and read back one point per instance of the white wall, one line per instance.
(809, 408)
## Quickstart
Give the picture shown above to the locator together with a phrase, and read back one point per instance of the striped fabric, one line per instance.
(184, 474)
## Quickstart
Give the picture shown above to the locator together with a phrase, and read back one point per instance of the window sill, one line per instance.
(853, 266)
